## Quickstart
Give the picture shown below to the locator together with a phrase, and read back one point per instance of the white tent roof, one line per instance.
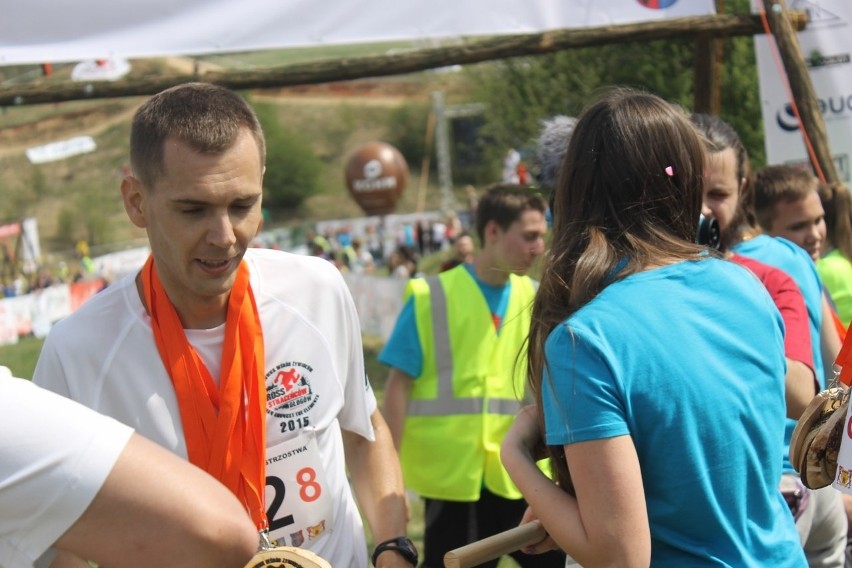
(41, 31)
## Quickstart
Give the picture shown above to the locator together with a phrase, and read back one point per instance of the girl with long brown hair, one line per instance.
(663, 424)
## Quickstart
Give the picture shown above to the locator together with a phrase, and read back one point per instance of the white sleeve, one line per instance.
(48, 373)
(54, 459)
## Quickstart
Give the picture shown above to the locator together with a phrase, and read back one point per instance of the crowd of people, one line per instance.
(370, 249)
(658, 377)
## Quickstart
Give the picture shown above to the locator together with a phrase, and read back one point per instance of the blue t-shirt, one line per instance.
(794, 260)
(660, 356)
(402, 349)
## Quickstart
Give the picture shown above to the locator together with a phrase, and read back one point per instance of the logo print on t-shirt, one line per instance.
(288, 390)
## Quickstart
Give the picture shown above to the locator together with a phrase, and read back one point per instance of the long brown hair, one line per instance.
(628, 198)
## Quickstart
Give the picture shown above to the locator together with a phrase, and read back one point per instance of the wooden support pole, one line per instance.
(705, 87)
(802, 90)
(474, 51)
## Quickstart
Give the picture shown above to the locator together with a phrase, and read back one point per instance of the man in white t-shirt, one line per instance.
(214, 350)
(85, 484)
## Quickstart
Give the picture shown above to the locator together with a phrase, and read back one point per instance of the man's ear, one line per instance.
(491, 231)
(132, 195)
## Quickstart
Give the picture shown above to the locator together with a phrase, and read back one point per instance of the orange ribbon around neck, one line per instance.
(224, 427)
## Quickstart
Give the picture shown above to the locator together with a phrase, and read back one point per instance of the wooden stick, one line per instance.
(495, 546)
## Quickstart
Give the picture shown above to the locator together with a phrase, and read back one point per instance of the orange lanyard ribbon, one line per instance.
(224, 427)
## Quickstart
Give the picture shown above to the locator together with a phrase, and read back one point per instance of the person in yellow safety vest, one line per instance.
(456, 379)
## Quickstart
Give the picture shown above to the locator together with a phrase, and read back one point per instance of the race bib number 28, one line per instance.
(299, 507)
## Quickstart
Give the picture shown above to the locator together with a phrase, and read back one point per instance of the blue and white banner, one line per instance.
(826, 48)
(44, 31)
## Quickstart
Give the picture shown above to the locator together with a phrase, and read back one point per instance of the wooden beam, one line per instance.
(705, 84)
(802, 89)
(474, 51)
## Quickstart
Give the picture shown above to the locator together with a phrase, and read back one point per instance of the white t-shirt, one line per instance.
(104, 356)
(55, 457)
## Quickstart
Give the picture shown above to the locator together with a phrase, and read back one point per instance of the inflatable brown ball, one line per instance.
(376, 174)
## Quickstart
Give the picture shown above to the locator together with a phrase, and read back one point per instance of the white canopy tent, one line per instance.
(42, 31)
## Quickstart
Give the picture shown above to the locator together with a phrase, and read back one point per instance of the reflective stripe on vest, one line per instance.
(445, 403)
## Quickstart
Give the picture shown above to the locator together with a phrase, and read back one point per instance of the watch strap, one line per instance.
(400, 544)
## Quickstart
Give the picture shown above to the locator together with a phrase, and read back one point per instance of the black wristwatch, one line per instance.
(400, 544)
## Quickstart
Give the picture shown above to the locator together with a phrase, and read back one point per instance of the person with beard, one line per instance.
(729, 197)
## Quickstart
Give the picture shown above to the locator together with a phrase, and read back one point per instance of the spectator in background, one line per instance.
(510, 166)
(551, 146)
(374, 242)
(454, 227)
(835, 264)
(472, 203)
(463, 252)
(360, 261)
(402, 262)
(439, 236)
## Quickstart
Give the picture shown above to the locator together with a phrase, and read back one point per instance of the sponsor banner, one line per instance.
(81, 291)
(61, 150)
(8, 325)
(826, 49)
(378, 301)
(36, 312)
(100, 70)
(20, 309)
(10, 230)
(117, 265)
(40, 31)
(30, 245)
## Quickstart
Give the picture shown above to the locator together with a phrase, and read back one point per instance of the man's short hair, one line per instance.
(207, 117)
(505, 203)
(780, 183)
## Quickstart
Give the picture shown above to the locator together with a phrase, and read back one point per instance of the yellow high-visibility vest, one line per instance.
(470, 389)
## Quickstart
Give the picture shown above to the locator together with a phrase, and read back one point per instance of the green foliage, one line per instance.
(406, 131)
(740, 97)
(65, 225)
(292, 167)
(520, 92)
(39, 184)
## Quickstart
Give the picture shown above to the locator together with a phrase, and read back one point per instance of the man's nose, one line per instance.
(221, 232)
